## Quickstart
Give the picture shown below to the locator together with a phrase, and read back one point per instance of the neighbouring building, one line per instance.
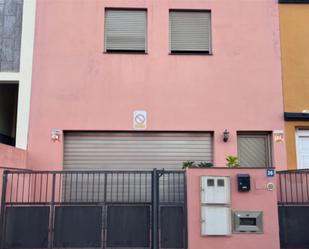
(145, 84)
(294, 18)
(16, 51)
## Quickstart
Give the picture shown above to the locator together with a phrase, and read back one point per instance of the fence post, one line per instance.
(2, 210)
(185, 207)
(155, 209)
(52, 210)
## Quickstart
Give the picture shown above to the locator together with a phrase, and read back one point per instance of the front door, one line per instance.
(303, 149)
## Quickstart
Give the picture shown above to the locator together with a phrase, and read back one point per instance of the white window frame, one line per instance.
(299, 132)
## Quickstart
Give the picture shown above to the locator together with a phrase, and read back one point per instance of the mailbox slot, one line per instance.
(248, 222)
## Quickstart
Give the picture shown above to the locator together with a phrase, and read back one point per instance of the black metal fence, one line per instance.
(93, 209)
(293, 187)
(293, 205)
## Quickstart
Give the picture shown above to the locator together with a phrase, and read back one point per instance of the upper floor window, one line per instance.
(125, 30)
(190, 31)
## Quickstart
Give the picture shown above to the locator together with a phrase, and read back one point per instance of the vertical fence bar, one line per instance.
(104, 208)
(296, 186)
(155, 209)
(22, 195)
(11, 189)
(17, 187)
(280, 198)
(2, 210)
(185, 210)
(41, 186)
(307, 200)
(76, 187)
(29, 186)
(52, 210)
(47, 176)
(291, 188)
(105, 188)
(302, 187)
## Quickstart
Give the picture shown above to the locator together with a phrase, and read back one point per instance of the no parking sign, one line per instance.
(139, 120)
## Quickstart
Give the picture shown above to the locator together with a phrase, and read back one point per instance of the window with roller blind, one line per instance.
(190, 31)
(126, 30)
(254, 149)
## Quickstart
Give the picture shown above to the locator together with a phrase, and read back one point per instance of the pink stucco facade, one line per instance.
(257, 199)
(11, 157)
(76, 86)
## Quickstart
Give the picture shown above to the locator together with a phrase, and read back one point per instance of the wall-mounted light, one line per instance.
(226, 136)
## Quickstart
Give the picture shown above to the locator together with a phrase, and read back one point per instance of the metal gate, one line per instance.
(93, 209)
(293, 205)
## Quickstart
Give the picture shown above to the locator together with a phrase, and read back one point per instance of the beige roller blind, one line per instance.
(125, 30)
(254, 150)
(190, 31)
(134, 150)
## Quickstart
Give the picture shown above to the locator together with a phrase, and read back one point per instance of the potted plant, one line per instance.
(192, 164)
(232, 161)
(188, 164)
(205, 165)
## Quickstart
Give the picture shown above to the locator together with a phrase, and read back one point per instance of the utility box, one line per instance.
(216, 220)
(248, 222)
(215, 205)
(215, 190)
(243, 182)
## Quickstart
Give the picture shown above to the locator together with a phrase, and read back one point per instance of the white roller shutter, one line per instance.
(190, 31)
(125, 30)
(134, 150)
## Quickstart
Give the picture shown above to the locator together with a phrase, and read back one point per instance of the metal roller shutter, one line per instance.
(190, 31)
(254, 150)
(125, 30)
(134, 150)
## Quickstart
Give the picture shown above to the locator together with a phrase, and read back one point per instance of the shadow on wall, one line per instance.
(8, 112)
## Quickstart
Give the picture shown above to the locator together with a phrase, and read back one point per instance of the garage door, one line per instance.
(134, 150)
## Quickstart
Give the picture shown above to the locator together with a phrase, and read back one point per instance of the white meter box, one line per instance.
(215, 190)
(216, 220)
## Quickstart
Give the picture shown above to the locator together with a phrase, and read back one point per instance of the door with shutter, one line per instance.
(303, 149)
(135, 150)
(254, 149)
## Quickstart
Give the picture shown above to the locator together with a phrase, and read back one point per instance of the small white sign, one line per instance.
(278, 135)
(55, 135)
(139, 120)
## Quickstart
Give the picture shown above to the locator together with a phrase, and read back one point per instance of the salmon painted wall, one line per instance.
(11, 157)
(78, 87)
(294, 19)
(257, 199)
